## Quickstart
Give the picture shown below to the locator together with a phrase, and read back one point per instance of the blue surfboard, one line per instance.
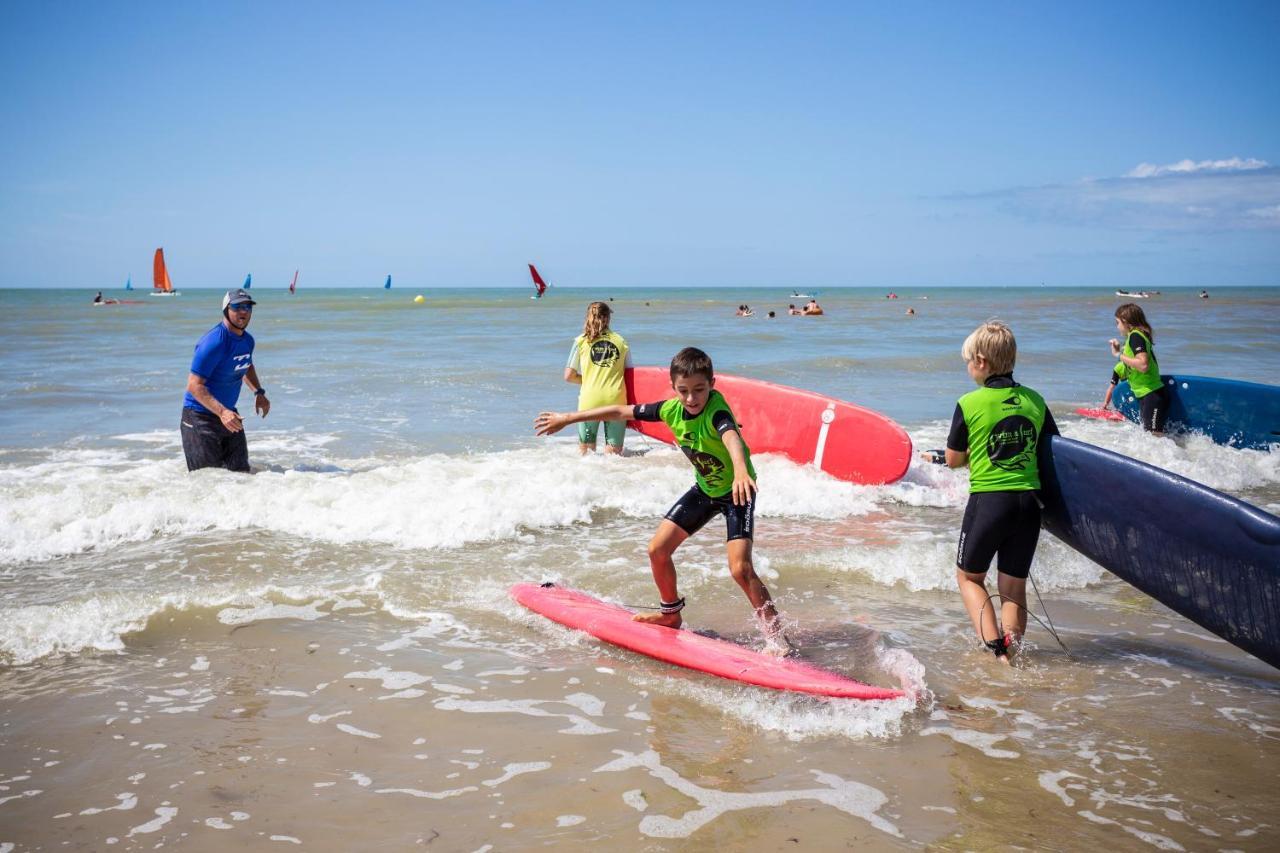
(1240, 414)
(1209, 556)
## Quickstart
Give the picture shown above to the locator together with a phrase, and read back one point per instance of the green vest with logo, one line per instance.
(698, 438)
(1142, 383)
(603, 362)
(1004, 434)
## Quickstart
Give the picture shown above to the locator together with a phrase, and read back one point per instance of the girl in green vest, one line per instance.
(1137, 363)
(598, 361)
(997, 430)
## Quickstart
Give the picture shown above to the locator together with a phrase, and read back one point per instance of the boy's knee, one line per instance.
(742, 570)
(660, 548)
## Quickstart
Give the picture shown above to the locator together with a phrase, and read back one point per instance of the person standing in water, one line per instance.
(598, 361)
(998, 431)
(212, 430)
(1137, 363)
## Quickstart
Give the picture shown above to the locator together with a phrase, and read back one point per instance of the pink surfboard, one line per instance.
(848, 442)
(681, 647)
(1100, 414)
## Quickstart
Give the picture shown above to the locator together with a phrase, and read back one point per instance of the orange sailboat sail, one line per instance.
(160, 274)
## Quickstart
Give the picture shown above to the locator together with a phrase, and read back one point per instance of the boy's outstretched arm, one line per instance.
(547, 423)
(744, 488)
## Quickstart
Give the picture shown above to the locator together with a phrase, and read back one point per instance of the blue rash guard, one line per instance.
(221, 359)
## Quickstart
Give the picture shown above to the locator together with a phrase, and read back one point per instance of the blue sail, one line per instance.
(128, 285)
(248, 281)
(387, 286)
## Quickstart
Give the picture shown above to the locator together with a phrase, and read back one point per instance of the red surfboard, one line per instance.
(1099, 414)
(847, 441)
(613, 624)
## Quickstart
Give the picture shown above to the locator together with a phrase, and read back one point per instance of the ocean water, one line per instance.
(324, 652)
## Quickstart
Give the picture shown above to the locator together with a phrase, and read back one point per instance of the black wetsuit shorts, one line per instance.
(695, 509)
(1154, 409)
(208, 444)
(1004, 523)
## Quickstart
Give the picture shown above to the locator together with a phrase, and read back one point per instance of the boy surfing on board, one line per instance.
(705, 429)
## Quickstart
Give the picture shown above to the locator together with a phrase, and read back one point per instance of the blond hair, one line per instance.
(993, 340)
(597, 322)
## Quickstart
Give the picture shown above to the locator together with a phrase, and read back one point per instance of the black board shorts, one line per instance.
(1154, 409)
(1003, 523)
(208, 444)
(695, 508)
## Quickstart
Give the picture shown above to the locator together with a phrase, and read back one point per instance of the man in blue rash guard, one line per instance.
(212, 429)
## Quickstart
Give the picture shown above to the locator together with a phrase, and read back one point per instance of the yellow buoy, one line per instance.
(419, 299)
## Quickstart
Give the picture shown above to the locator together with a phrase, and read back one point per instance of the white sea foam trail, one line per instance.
(86, 500)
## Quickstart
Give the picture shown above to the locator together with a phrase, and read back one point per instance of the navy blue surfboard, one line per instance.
(1209, 556)
(1241, 414)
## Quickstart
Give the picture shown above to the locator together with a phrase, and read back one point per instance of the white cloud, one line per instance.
(1188, 167)
(1206, 196)
(1271, 213)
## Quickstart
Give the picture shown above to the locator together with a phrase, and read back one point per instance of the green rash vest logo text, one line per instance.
(705, 464)
(1012, 443)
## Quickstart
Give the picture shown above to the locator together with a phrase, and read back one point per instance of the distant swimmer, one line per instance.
(997, 430)
(98, 298)
(598, 361)
(911, 312)
(794, 311)
(212, 430)
(812, 308)
(1137, 363)
(1204, 294)
(771, 314)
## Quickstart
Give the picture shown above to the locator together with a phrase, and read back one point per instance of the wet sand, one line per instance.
(351, 729)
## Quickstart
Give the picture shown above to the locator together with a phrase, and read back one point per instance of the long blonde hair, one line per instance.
(597, 322)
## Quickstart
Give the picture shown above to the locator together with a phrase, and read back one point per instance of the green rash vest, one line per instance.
(698, 438)
(603, 364)
(1005, 426)
(1147, 381)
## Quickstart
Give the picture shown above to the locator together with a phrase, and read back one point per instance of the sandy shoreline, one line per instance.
(361, 730)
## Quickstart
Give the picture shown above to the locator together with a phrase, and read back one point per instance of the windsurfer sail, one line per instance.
(293, 285)
(387, 286)
(539, 286)
(248, 281)
(128, 284)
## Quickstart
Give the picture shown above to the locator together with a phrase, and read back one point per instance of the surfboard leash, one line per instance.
(1048, 627)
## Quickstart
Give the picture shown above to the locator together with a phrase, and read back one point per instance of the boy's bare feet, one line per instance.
(778, 646)
(667, 620)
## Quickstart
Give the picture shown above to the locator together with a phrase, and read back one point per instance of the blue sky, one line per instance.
(750, 144)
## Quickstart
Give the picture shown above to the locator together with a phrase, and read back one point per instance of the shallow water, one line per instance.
(325, 652)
